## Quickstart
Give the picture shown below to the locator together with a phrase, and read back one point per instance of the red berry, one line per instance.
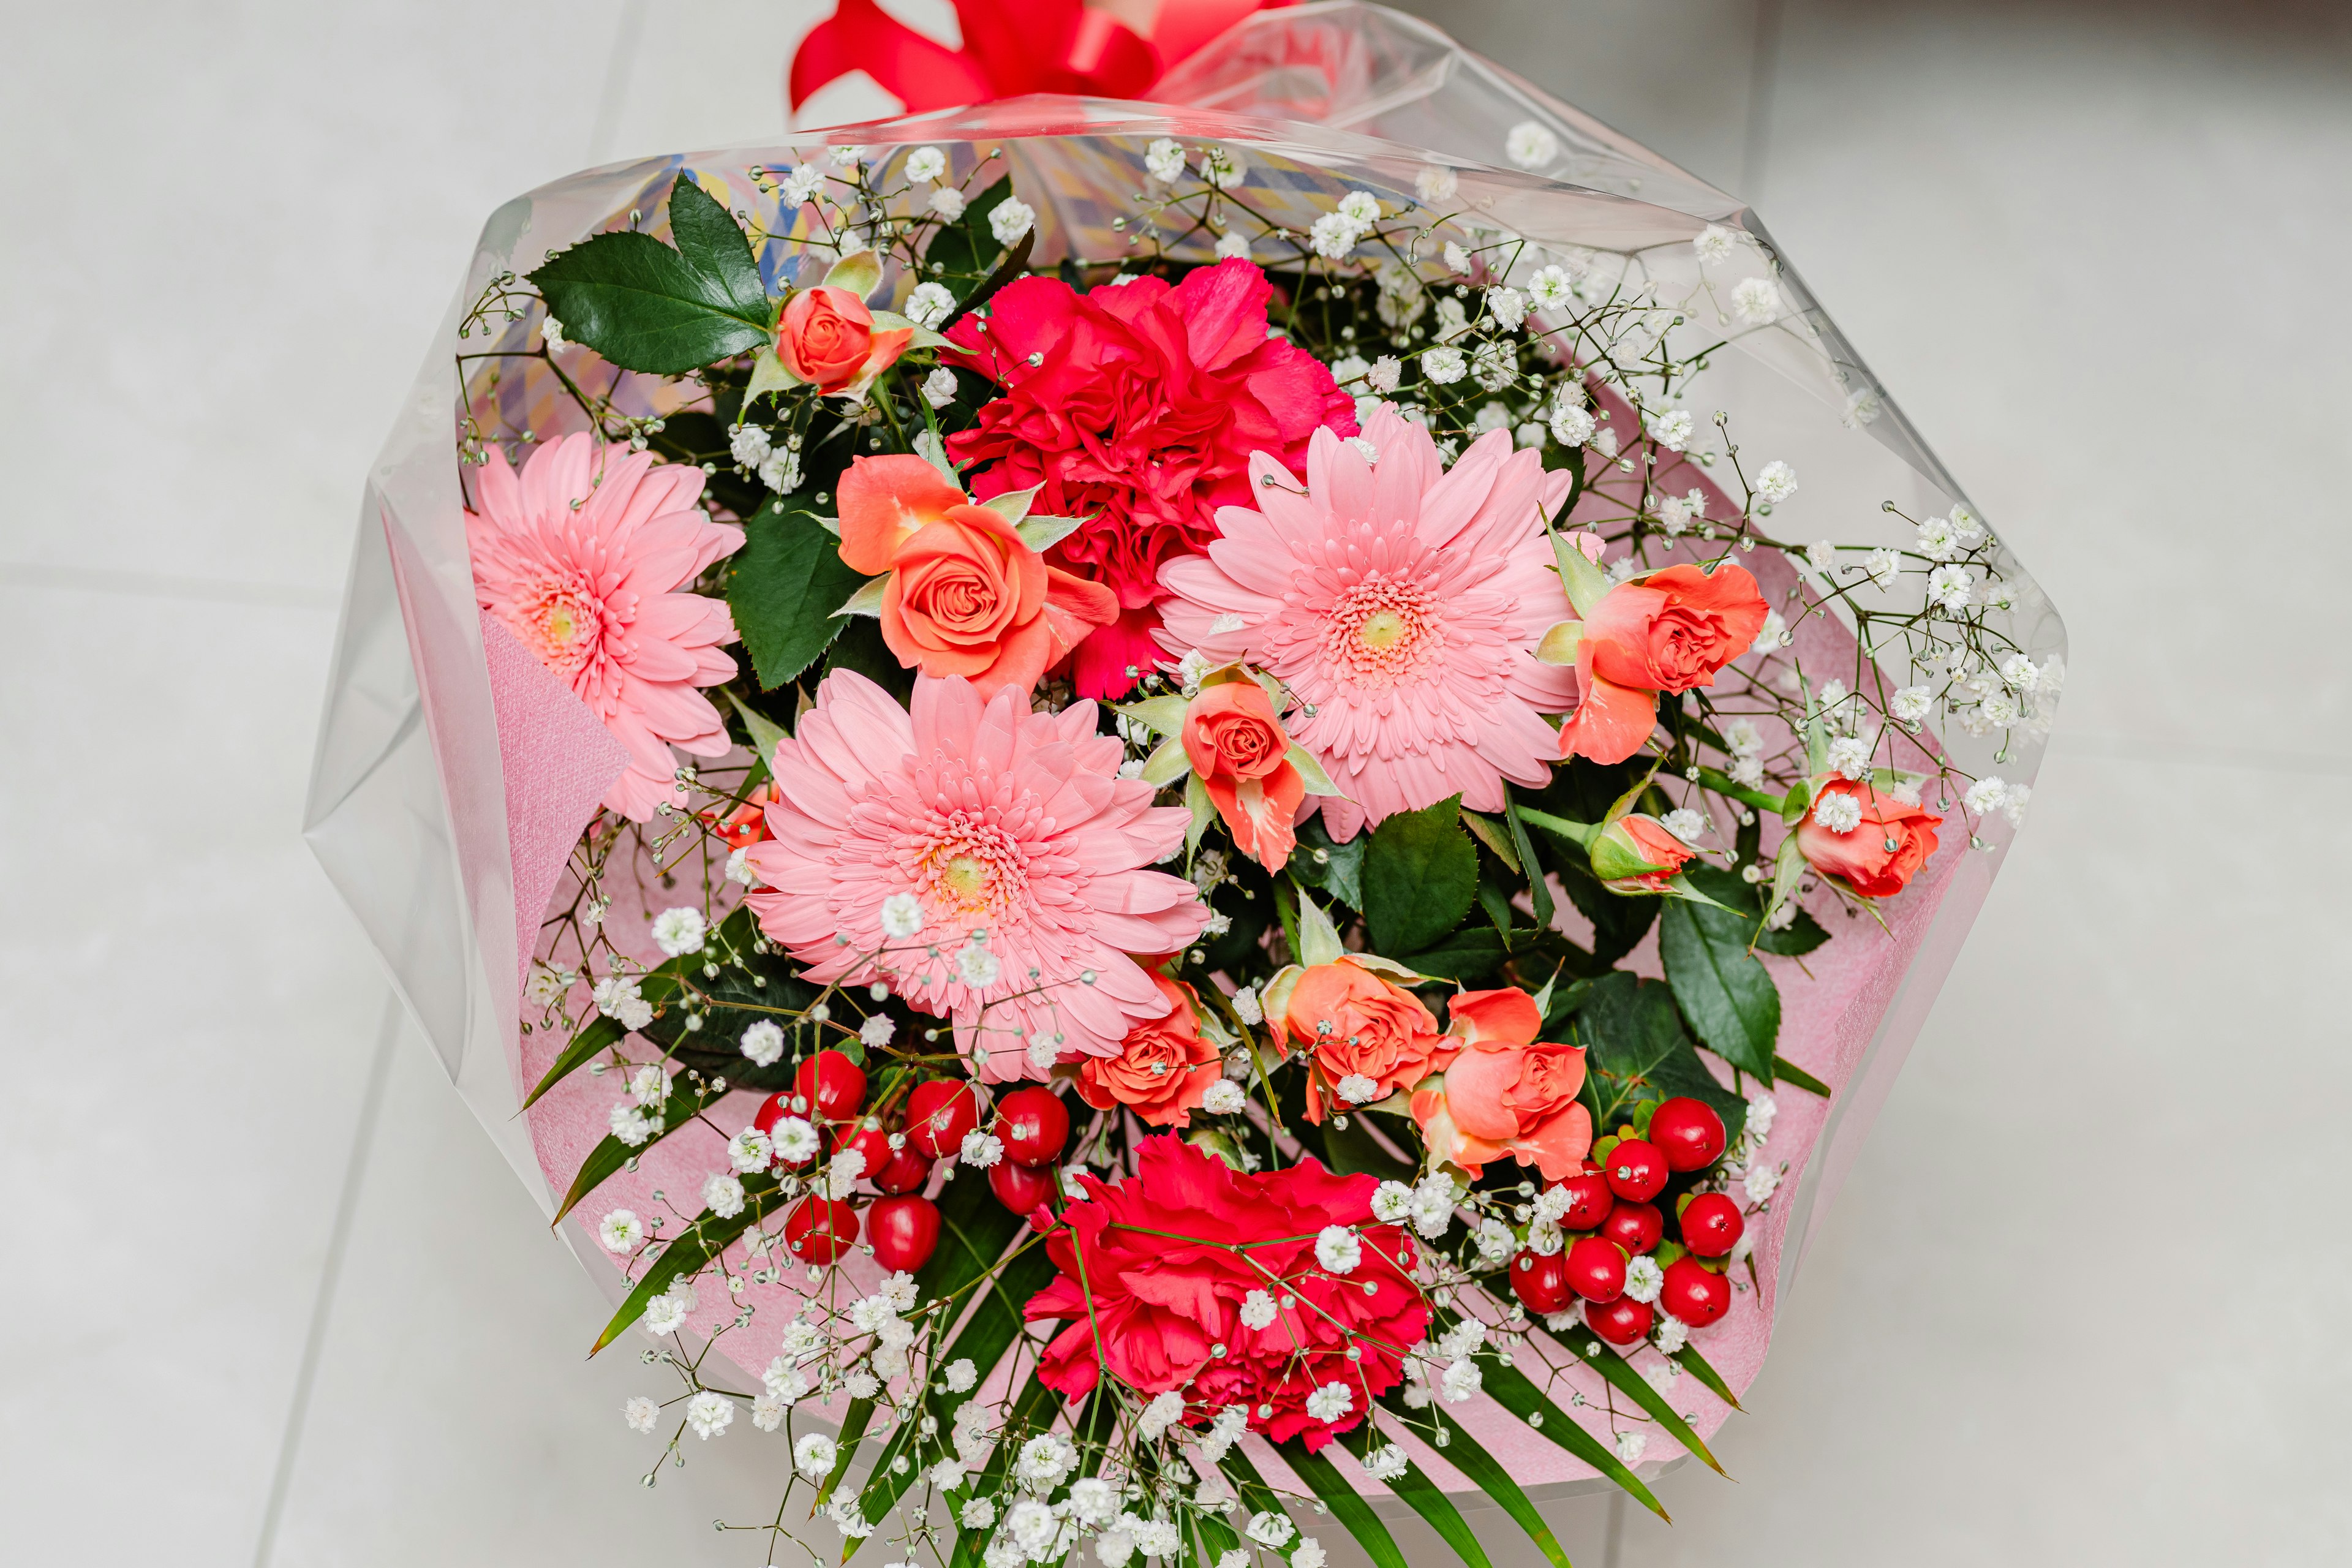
(1589, 1199)
(775, 1109)
(1541, 1281)
(1624, 1322)
(903, 1231)
(1636, 1171)
(1033, 1125)
(1695, 1294)
(1020, 1188)
(831, 1082)
(871, 1141)
(819, 1230)
(1711, 1225)
(1687, 1132)
(1596, 1268)
(938, 1113)
(906, 1171)
(1636, 1228)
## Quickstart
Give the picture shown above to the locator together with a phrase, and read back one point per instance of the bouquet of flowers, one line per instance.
(1206, 812)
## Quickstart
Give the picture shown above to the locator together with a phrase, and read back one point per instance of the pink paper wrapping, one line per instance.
(453, 775)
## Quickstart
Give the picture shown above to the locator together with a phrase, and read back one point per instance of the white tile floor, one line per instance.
(2079, 1299)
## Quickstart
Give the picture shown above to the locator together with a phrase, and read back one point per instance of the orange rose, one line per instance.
(1881, 851)
(1669, 632)
(1242, 758)
(827, 338)
(1357, 1024)
(1507, 1092)
(1163, 1068)
(966, 596)
(1637, 852)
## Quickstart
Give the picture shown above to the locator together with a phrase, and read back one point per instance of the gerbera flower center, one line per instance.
(1382, 630)
(970, 867)
(559, 623)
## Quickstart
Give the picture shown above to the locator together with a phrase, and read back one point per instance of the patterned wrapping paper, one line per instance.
(452, 772)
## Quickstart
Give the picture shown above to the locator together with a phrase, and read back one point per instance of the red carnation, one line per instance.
(1159, 1304)
(1137, 405)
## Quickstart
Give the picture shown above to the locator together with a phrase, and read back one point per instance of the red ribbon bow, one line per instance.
(1010, 48)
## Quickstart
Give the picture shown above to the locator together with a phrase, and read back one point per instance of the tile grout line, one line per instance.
(322, 1306)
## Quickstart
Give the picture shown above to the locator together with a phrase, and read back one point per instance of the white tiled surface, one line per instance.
(2096, 250)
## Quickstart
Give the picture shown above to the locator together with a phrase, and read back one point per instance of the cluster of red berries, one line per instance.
(1611, 1221)
(902, 1226)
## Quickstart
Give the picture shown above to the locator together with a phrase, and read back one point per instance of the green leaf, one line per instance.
(1725, 991)
(1619, 1374)
(1512, 1389)
(1696, 1365)
(1495, 835)
(1637, 1053)
(690, 1250)
(1425, 1498)
(860, 648)
(961, 253)
(1041, 533)
(1353, 1148)
(1463, 1452)
(610, 1153)
(764, 731)
(1801, 935)
(1337, 868)
(1464, 955)
(598, 1034)
(1318, 938)
(1786, 1071)
(854, 1422)
(1324, 1480)
(1420, 874)
(646, 306)
(786, 582)
(1537, 890)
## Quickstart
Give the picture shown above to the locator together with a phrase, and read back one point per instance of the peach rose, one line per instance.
(1163, 1068)
(966, 596)
(827, 338)
(1669, 632)
(1507, 1092)
(1238, 749)
(1637, 853)
(1878, 855)
(1355, 1025)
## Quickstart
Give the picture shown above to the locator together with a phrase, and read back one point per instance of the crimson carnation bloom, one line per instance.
(1156, 1305)
(1137, 405)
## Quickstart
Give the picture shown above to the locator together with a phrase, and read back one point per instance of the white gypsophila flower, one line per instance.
(781, 471)
(1163, 1413)
(1622, 570)
(1674, 514)
(813, 1455)
(763, 1043)
(1464, 1337)
(1849, 756)
(1552, 288)
(1258, 1309)
(1044, 1459)
(1223, 1097)
(2019, 671)
(1986, 794)
(1671, 1332)
(1760, 1183)
(1684, 824)
(947, 202)
(1630, 1446)
(768, 1412)
(1382, 374)
(1492, 416)
(1532, 144)
(939, 391)
(902, 916)
(1372, 454)
(1214, 1492)
(1160, 1538)
(1386, 1463)
(1912, 704)
(1561, 1321)
(1757, 300)
(1457, 258)
(747, 443)
(981, 1149)
(1951, 588)
(1840, 813)
(793, 1139)
(1234, 247)
(1164, 160)
(620, 1231)
(545, 988)
(1307, 1554)
(1433, 1206)
(680, 931)
(1772, 634)
(1743, 737)
(1334, 236)
(929, 303)
(848, 155)
(1114, 1548)
(1010, 219)
(722, 1194)
(803, 183)
(1348, 367)
(947, 1475)
(640, 1414)
(1453, 319)
(1663, 1375)
(977, 967)
(1776, 483)
(1246, 1008)
(1331, 1402)
(1605, 442)
(667, 1313)
(1967, 525)
(1552, 1207)
(2012, 806)
(1672, 427)
(1644, 1278)
(1356, 1089)
(1906, 790)
(1269, 1528)
(649, 1085)
(1221, 167)
(877, 1031)
(977, 1513)
(739, 868)
(961, 1375)
(1435, 183)
(1715, 243)
(926, 164)
(1998, 711)
(1495, 1242)
(841, 1176)
(1461, 1381)
(1392, 1201)
(848, 1519)
(1507, 306)
(1338, 1249)
(1863, 407)
(1883, 565)
(709, 1413)
(630, 1124)
(1572, 426)
(1361, 207)
(1031, 1527)
(550, 332)
(1939, 540)
(1495, 366)
(1543, 1240)
(1093, 1500)
(1444, 366)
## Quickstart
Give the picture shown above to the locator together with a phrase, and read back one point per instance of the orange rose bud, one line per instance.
(827, 338)
(1871, 841)
(1163, 1067)
(1637, 854)
(1357, 1026)
(1237, 747)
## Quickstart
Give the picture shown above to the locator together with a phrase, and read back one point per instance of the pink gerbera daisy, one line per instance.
(987, 862)
(582, 558)
(1401, 602)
